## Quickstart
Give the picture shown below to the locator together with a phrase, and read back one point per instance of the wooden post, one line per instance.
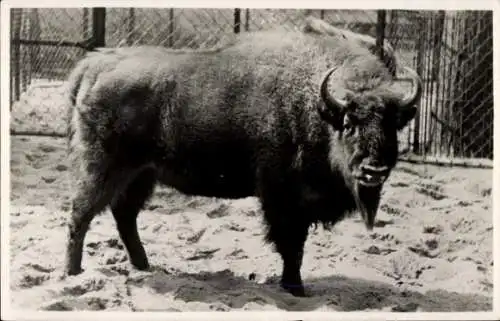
(437, 43)
(380, 32)
(392, 26)
(237, 20)
(98, 27)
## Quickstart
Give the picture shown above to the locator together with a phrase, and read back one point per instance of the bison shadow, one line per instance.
(339, 293)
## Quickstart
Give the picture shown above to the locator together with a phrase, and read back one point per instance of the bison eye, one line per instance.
(348, 125)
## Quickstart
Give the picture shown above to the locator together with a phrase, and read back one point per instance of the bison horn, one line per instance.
(329, 100)
(416, 92)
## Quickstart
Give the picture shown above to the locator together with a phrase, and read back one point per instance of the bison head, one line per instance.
(365, 127)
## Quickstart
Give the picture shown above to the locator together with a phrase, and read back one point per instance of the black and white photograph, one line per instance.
(177, 158)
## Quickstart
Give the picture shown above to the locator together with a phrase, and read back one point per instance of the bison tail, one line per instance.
(75, 80)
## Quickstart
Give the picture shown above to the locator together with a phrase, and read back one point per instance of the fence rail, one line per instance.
(451, 50)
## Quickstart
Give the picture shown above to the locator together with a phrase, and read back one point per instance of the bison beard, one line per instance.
(367, 201)
(260, 111)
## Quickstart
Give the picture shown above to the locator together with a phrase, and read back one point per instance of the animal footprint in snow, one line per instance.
(202, 254)
(433, 229)
(32, 279)
(114, 243)
(49, 179)
(429, 248)
(373, 249)
(233, 226)
(80, 287)
(86, 303)
(237, 254)
(195, 238)
(114, 258)
(61, 167)
(219, 211)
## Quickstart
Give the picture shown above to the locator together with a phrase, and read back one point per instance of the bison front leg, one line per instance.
(126, 207)
(289, 237)
(287, 229)
(286, 223)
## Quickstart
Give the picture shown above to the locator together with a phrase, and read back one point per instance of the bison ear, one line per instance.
(404, 115)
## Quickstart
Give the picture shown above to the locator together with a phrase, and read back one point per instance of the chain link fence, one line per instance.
(452, 51)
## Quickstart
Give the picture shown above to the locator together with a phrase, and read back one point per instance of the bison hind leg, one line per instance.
(93, 194)
(126, 206)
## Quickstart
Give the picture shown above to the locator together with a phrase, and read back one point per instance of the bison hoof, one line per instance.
(296, 290)
(67, 273)
(61, 276)
(142, 266)
(72, 271)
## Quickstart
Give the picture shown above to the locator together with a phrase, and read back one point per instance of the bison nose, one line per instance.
(374, 169)
(373, 173)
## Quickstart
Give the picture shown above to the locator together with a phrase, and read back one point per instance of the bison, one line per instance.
(319, 26)
(307, 123)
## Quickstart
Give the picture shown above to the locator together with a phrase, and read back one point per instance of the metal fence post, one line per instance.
(15, 18)
(130, 26)
(85, 23)
(420, 70)
(247, 20)
(99, 27)
(171, 27)
(35, 34)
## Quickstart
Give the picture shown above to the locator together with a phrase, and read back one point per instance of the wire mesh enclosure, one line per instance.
(451, 50)
(453, 53)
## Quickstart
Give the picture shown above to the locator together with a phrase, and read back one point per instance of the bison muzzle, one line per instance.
(304, 122)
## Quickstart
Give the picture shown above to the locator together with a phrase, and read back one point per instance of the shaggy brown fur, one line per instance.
(244, 120)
